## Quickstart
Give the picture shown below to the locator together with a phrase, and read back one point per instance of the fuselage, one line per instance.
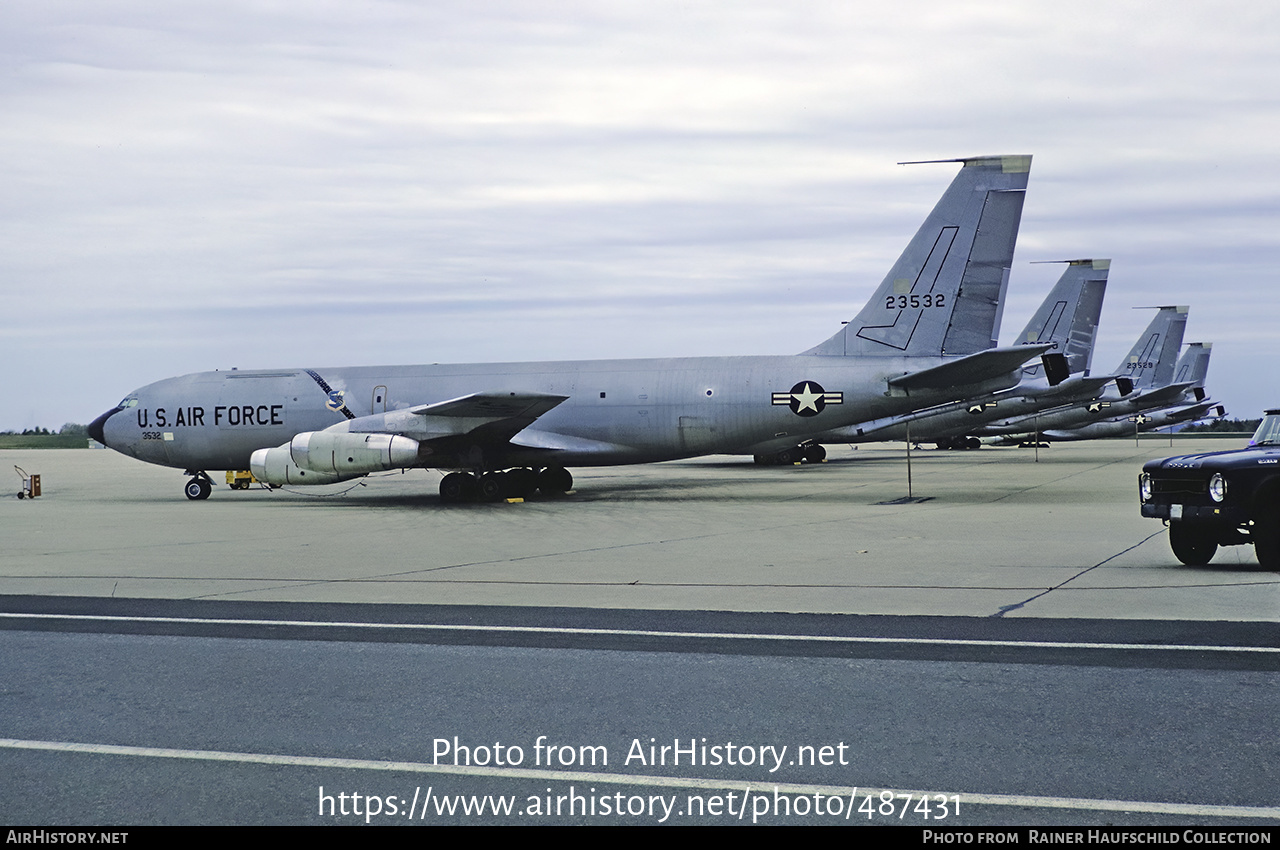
(1110, 405)
(1126, 426)
(616, 411)
(965, 417)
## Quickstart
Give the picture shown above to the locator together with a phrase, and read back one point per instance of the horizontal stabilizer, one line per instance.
(1164, 395)
(975, 368)
(1094, 384)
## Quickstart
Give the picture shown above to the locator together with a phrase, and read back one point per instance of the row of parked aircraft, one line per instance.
(1151, 388)
(920, 360)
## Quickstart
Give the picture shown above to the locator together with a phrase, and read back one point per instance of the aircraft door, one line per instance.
(379, 404)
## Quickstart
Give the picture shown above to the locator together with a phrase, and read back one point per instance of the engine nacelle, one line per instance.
(276, 467)
(348, 454)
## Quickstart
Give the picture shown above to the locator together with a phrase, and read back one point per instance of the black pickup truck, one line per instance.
(1219, 498)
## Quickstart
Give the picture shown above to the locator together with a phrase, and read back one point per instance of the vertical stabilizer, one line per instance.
(1068, 316)
(1151, 361)
(1193, 365)
(945, 293)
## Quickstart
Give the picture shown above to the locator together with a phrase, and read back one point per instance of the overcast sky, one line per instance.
(191, 186)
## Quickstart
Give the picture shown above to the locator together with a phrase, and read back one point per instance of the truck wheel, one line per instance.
(1266, 540)
(1192, 546)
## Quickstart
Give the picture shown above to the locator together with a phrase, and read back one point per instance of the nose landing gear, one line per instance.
(198, 486)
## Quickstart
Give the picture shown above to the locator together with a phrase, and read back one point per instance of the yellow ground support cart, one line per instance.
(240, 479)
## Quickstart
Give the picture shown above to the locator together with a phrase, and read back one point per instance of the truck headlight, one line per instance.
(1217, 487)
(1145, 488)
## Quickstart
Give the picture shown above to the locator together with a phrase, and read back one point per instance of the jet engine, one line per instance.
(325, 457)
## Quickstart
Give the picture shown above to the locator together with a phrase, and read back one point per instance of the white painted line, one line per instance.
(552, 630)
(647, 781)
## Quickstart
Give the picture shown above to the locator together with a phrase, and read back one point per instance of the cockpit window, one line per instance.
(1268, 433)
(130, 401)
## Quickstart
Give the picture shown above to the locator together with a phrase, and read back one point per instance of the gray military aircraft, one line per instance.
(1143, 381)
(1192, 404)
(1067, 320)
(1153, 421)
(513, 428)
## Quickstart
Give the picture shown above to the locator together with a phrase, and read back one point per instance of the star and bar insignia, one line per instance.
(807, 398)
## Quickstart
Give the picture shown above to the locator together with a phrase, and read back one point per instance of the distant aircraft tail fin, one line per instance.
(945, 293)
(1068, 316)
(1193, 365)
(1150, 363)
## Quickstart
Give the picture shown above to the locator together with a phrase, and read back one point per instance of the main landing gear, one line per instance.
(511, 484)
(199, 486)
(813, 453)
(960, 444)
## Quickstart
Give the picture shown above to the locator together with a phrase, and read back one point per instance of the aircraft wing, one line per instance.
(489, 416)
(492, 405)
(973, 369)
(444, 430)
(534, 438)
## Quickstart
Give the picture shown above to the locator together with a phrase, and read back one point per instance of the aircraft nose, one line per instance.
(95, 427)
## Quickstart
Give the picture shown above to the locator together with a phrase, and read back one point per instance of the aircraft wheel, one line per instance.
(198, 488)
(972, 443)
(786, 457)
(493, 486)
(555, 479)
(814, 454)
(522, 483)
(456, 487)
(1192, 546)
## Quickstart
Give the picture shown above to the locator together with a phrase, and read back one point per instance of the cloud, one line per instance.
(301, 183)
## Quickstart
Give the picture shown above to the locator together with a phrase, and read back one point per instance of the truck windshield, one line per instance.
(1268, 433)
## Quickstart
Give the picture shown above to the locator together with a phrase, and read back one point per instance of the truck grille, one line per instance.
(1180, 486)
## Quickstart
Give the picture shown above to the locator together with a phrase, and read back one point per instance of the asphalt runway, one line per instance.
(160, 711)
(1021, 648)
(1000, 535)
